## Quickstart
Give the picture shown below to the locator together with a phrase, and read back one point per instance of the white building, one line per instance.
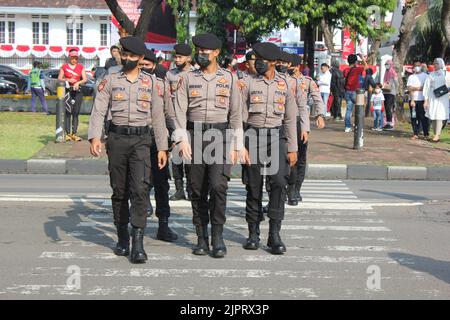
(45, 31)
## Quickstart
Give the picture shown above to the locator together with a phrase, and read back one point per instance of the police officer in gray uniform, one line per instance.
(270, 116)
(134, 102)
(305, 88)
(208, 99)
(182, 61)
(160, 177)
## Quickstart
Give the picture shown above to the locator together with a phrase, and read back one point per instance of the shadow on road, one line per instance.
(403, 196)
(437, 268)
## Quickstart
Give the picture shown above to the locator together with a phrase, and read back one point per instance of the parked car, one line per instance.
(51, 81)
(8, 87)
(14, 75)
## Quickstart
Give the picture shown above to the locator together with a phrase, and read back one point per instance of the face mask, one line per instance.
(281, 69)
(387, 67)
(261, 66)
(148, 70)
(291, 72)
(417, 69)
(181, 67)
(202, 59)
(129, 65)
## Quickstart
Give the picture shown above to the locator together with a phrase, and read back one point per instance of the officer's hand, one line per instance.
(185, 150)
(320, 122)
(292, 156)
(162, 159)
(96, 147)
(245, 156)
(304, 136)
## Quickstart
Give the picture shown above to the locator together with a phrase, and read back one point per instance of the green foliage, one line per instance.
(181, 9)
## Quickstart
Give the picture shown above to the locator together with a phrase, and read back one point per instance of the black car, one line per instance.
(51, 81)
(8, 87)
(14, 75)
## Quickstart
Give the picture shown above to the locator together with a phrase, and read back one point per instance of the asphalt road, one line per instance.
(347, 240)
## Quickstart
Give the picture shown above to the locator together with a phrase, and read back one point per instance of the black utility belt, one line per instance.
(206, 126)
(249, 126)
(129, 130)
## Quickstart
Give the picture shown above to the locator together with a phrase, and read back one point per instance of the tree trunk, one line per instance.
(445, 20)
(121, 17)
(402, 45)
(309, 47)
(373, 55)
(328, 35)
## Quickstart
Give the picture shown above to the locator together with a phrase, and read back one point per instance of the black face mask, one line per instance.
(128, 65)
(261, 66)
(291, 72)
(281, 69)
(181, 66)
(148, 70)
(202, 59)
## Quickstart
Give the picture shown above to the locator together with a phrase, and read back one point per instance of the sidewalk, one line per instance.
(385, 155)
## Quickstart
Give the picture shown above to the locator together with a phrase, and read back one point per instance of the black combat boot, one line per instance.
(123, 245)
(274, 241)
(266, 208)
(291, 199)
(253, 238)
(138, 254)
(164, 232)
(179, 193)
(297, 192)
(218, 246)
(202, 247)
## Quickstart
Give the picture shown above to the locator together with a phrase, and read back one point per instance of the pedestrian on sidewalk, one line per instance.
(324, 83)
(369, 87)
(390, 89)
(337, 89)
(36, 86)
(74, 75)
(377, 107)
(352, 75)
(415, 85)
(435, 91)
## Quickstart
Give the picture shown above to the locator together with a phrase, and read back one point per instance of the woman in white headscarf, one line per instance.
(437, 108)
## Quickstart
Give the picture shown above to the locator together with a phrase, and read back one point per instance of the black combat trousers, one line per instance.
(129, 171)
(208, 182)
(297, 175)
(160, 181)
(179, 171)
(275, 147)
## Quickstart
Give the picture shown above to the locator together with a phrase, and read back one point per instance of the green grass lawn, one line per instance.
(445, 135)
(22, 134)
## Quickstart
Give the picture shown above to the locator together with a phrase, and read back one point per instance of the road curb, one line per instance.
(313, 171)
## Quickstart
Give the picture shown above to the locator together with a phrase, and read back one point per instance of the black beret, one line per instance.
(267, 51)
(150, 56)
(160, 71)
(250, 56)
(296, 60)
(182, 49)
(285, 57)
(133, 44)
(207, 41)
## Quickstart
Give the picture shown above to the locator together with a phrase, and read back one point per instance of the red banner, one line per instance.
(348, 47)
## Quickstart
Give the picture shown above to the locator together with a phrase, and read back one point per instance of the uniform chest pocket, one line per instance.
(222, 98)
(144, 101)
(257, 103)
(279, 106)
(119, 100)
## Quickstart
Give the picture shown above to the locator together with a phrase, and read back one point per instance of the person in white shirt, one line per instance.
(324, 83)
(415, 87)
(377, 107)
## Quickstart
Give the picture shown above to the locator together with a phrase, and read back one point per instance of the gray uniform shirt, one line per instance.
(131, 104)
(305, 86)
(209, 98)
(270, 104)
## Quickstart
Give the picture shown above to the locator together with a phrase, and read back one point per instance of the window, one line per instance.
(103, 34)
(2, 32)
(45, 32)
(69, 31)
(11, 31)
(35, 32)
(79, 34)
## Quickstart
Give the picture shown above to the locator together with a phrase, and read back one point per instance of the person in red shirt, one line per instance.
(352, 83)
(74, 75)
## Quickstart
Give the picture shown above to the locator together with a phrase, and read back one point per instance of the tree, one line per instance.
(445, 18)
(181, 10)
(141, 28)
